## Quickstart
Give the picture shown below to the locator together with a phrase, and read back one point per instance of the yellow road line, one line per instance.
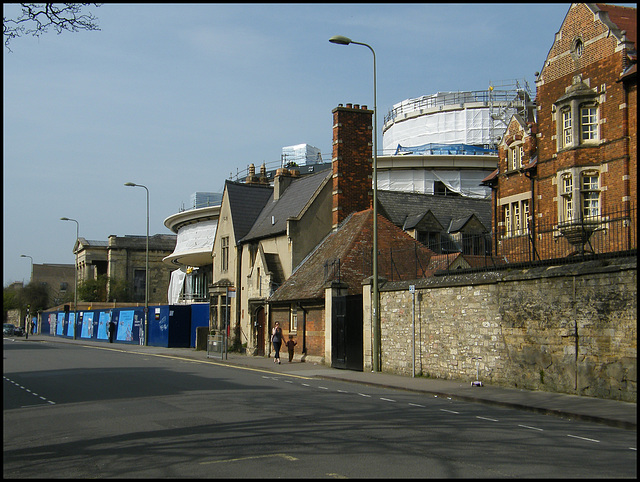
(260, 370)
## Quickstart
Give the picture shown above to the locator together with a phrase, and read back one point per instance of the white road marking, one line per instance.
(485, 418)
(583, 438)
(29, 391)
(532, 428)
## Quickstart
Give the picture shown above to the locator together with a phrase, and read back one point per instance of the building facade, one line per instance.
(567, 184)
(123, 258)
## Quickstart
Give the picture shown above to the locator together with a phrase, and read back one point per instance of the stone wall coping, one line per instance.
(515, 274)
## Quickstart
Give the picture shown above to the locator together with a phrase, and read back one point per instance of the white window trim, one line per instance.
(575, 198)
(569, 130)
(516, 216)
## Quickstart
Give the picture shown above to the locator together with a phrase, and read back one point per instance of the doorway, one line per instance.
(346, 336)
(259, 326)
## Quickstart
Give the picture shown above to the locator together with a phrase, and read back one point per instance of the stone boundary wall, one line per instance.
(565, 328)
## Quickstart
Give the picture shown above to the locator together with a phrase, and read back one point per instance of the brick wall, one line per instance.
(314, 338)
(569, 329)
(352, 160)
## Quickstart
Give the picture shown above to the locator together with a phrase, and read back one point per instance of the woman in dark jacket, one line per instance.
(276, 339)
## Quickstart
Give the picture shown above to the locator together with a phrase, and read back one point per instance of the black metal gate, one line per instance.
(346, 336)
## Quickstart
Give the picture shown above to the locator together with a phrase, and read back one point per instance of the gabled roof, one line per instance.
(245, 203)
(399, 206)
(272, 220)
(414, 220)
(351, 244)
(459, 223)
(273, 264)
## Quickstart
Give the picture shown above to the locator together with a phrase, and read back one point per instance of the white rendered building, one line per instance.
(446, 143)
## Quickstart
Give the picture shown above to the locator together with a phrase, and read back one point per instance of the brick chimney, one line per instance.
(351, 160)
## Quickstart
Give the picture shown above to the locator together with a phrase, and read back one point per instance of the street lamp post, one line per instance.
(26, 328)
(146, 281)
(340, 40)
(26, 256)
(75, 291)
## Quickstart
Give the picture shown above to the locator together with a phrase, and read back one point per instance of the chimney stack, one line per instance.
(352, 160)
(282, 181)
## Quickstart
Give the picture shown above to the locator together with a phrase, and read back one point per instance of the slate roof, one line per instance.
(245, 202)
(450, 211)
(273, 218)
(351, 243)
(92, 243)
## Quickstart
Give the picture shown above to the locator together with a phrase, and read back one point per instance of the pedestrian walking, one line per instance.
(276, 339)
(290, 347)
(112, 330)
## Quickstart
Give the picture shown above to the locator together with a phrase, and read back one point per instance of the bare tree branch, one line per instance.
(37, 18)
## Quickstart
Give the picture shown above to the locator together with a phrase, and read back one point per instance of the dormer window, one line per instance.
(515, 156)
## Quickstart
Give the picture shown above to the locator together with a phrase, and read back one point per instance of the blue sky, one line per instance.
(178, 97)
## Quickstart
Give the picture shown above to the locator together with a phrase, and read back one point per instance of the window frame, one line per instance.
(590, 195)
(224, 248)
(579, 195)
(593, 125)
(516, 218)
(566, 129)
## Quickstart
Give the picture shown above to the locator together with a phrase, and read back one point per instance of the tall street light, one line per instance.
(340, 40)
(26, 256)
(146, 281)
(26, 328)
(75, 292)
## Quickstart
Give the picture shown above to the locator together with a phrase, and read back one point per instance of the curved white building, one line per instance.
(447, 142)
(192, 256)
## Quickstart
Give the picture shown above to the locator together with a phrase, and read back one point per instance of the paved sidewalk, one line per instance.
(610, 412)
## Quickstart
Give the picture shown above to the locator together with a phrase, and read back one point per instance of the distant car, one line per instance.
(18, 331)
(8, 329)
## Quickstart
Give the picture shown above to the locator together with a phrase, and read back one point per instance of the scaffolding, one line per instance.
(471, 117)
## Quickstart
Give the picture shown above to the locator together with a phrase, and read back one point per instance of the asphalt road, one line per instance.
(75, 411)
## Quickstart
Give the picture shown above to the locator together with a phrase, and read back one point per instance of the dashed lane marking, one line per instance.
(28, 391)
(487, 418)
(583, 438)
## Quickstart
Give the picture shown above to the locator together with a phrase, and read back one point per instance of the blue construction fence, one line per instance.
(170, 326)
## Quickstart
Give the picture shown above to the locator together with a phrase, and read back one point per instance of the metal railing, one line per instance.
(441, 99)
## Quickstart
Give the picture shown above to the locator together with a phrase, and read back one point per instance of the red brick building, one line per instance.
(567, 184)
